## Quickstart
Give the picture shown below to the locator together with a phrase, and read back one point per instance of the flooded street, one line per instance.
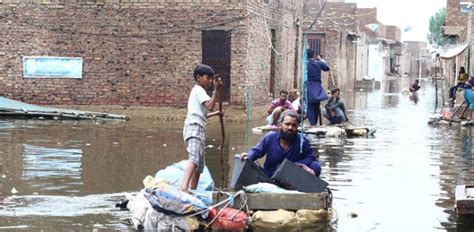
(69, 175)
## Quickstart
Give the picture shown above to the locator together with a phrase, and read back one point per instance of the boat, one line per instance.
(464, 196)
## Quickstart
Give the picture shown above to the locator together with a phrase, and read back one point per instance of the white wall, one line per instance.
(376, 62)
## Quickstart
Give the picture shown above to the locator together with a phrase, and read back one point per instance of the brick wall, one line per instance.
(279, 16)
(367, 16)
(336, 21)
(454, 16)
(393, 33)
(141, 52)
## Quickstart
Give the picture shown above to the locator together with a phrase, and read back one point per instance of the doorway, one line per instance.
(216, 53)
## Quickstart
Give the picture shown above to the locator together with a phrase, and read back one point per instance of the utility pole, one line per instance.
(466, 7)
(419, 65)
(469, 25)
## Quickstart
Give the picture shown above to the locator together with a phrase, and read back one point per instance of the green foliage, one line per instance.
(435, 35)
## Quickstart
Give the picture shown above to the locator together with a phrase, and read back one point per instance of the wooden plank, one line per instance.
(271, 201)
(464, 203)
(460, 192)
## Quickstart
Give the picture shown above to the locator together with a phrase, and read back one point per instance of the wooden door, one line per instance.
(216, 53)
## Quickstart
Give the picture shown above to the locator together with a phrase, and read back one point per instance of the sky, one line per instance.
(402, 13)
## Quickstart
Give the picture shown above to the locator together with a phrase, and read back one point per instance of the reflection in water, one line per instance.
(52, 169)
(467, 146)
(403, 179)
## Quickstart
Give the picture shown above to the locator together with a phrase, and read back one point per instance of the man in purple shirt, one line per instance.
(285, 144)
(277, 106)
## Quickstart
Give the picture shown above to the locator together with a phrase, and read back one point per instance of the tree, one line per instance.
(435, 36)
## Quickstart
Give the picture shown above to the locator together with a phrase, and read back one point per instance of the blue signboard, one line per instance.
(52, 67)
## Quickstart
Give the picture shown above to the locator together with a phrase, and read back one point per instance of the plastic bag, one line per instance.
(168, 199)
(228, 219)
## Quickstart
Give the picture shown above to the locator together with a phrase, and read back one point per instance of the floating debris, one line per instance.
(16, 109)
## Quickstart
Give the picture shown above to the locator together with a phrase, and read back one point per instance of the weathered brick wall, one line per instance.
(454, 16)
(393, 33)
(281, 17)
(367, 16)
(336, 21)
(134, 53)
(139, 52)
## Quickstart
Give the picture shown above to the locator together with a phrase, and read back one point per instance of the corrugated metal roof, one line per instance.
(452, 51)
(12, 108)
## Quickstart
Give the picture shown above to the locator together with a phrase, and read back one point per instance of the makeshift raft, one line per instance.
(16, 109)
(449, 117)
(167, 209)
(325, 131)
(464, 196)
(273, 201)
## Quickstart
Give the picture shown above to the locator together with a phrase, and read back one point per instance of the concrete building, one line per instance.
(143, 52)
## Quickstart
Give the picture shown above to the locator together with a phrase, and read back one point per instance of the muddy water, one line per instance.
(69, 175)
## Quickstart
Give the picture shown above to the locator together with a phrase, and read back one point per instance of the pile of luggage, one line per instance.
(161, 206)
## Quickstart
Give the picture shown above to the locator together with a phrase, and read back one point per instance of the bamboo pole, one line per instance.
(221, 120)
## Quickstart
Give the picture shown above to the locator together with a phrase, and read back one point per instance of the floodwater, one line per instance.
(69, 175)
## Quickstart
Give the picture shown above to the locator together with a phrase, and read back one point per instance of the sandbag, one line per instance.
(359, 132)
(275, 220)
(283, 220)
(228, 219)
(312, 220)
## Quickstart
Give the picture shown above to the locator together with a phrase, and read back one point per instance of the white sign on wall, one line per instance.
(52, 67)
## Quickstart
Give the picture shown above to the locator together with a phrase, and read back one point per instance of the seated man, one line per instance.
(285, 144)
(295, 100)
(335, 111)
(469, 97)
(293, 95)
(277, 106)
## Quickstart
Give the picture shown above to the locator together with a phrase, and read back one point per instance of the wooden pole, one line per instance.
(436, 86)
(221, 119)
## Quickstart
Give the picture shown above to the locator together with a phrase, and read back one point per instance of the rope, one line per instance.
(217, 216)
(244, 204)
(298, 221)
(268, 36)
(218, 204)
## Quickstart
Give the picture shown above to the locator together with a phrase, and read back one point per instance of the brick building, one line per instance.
(142, 52)
(334, 35)
(418, 59)
(394, 61)
(366, 17)
(455, 30)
